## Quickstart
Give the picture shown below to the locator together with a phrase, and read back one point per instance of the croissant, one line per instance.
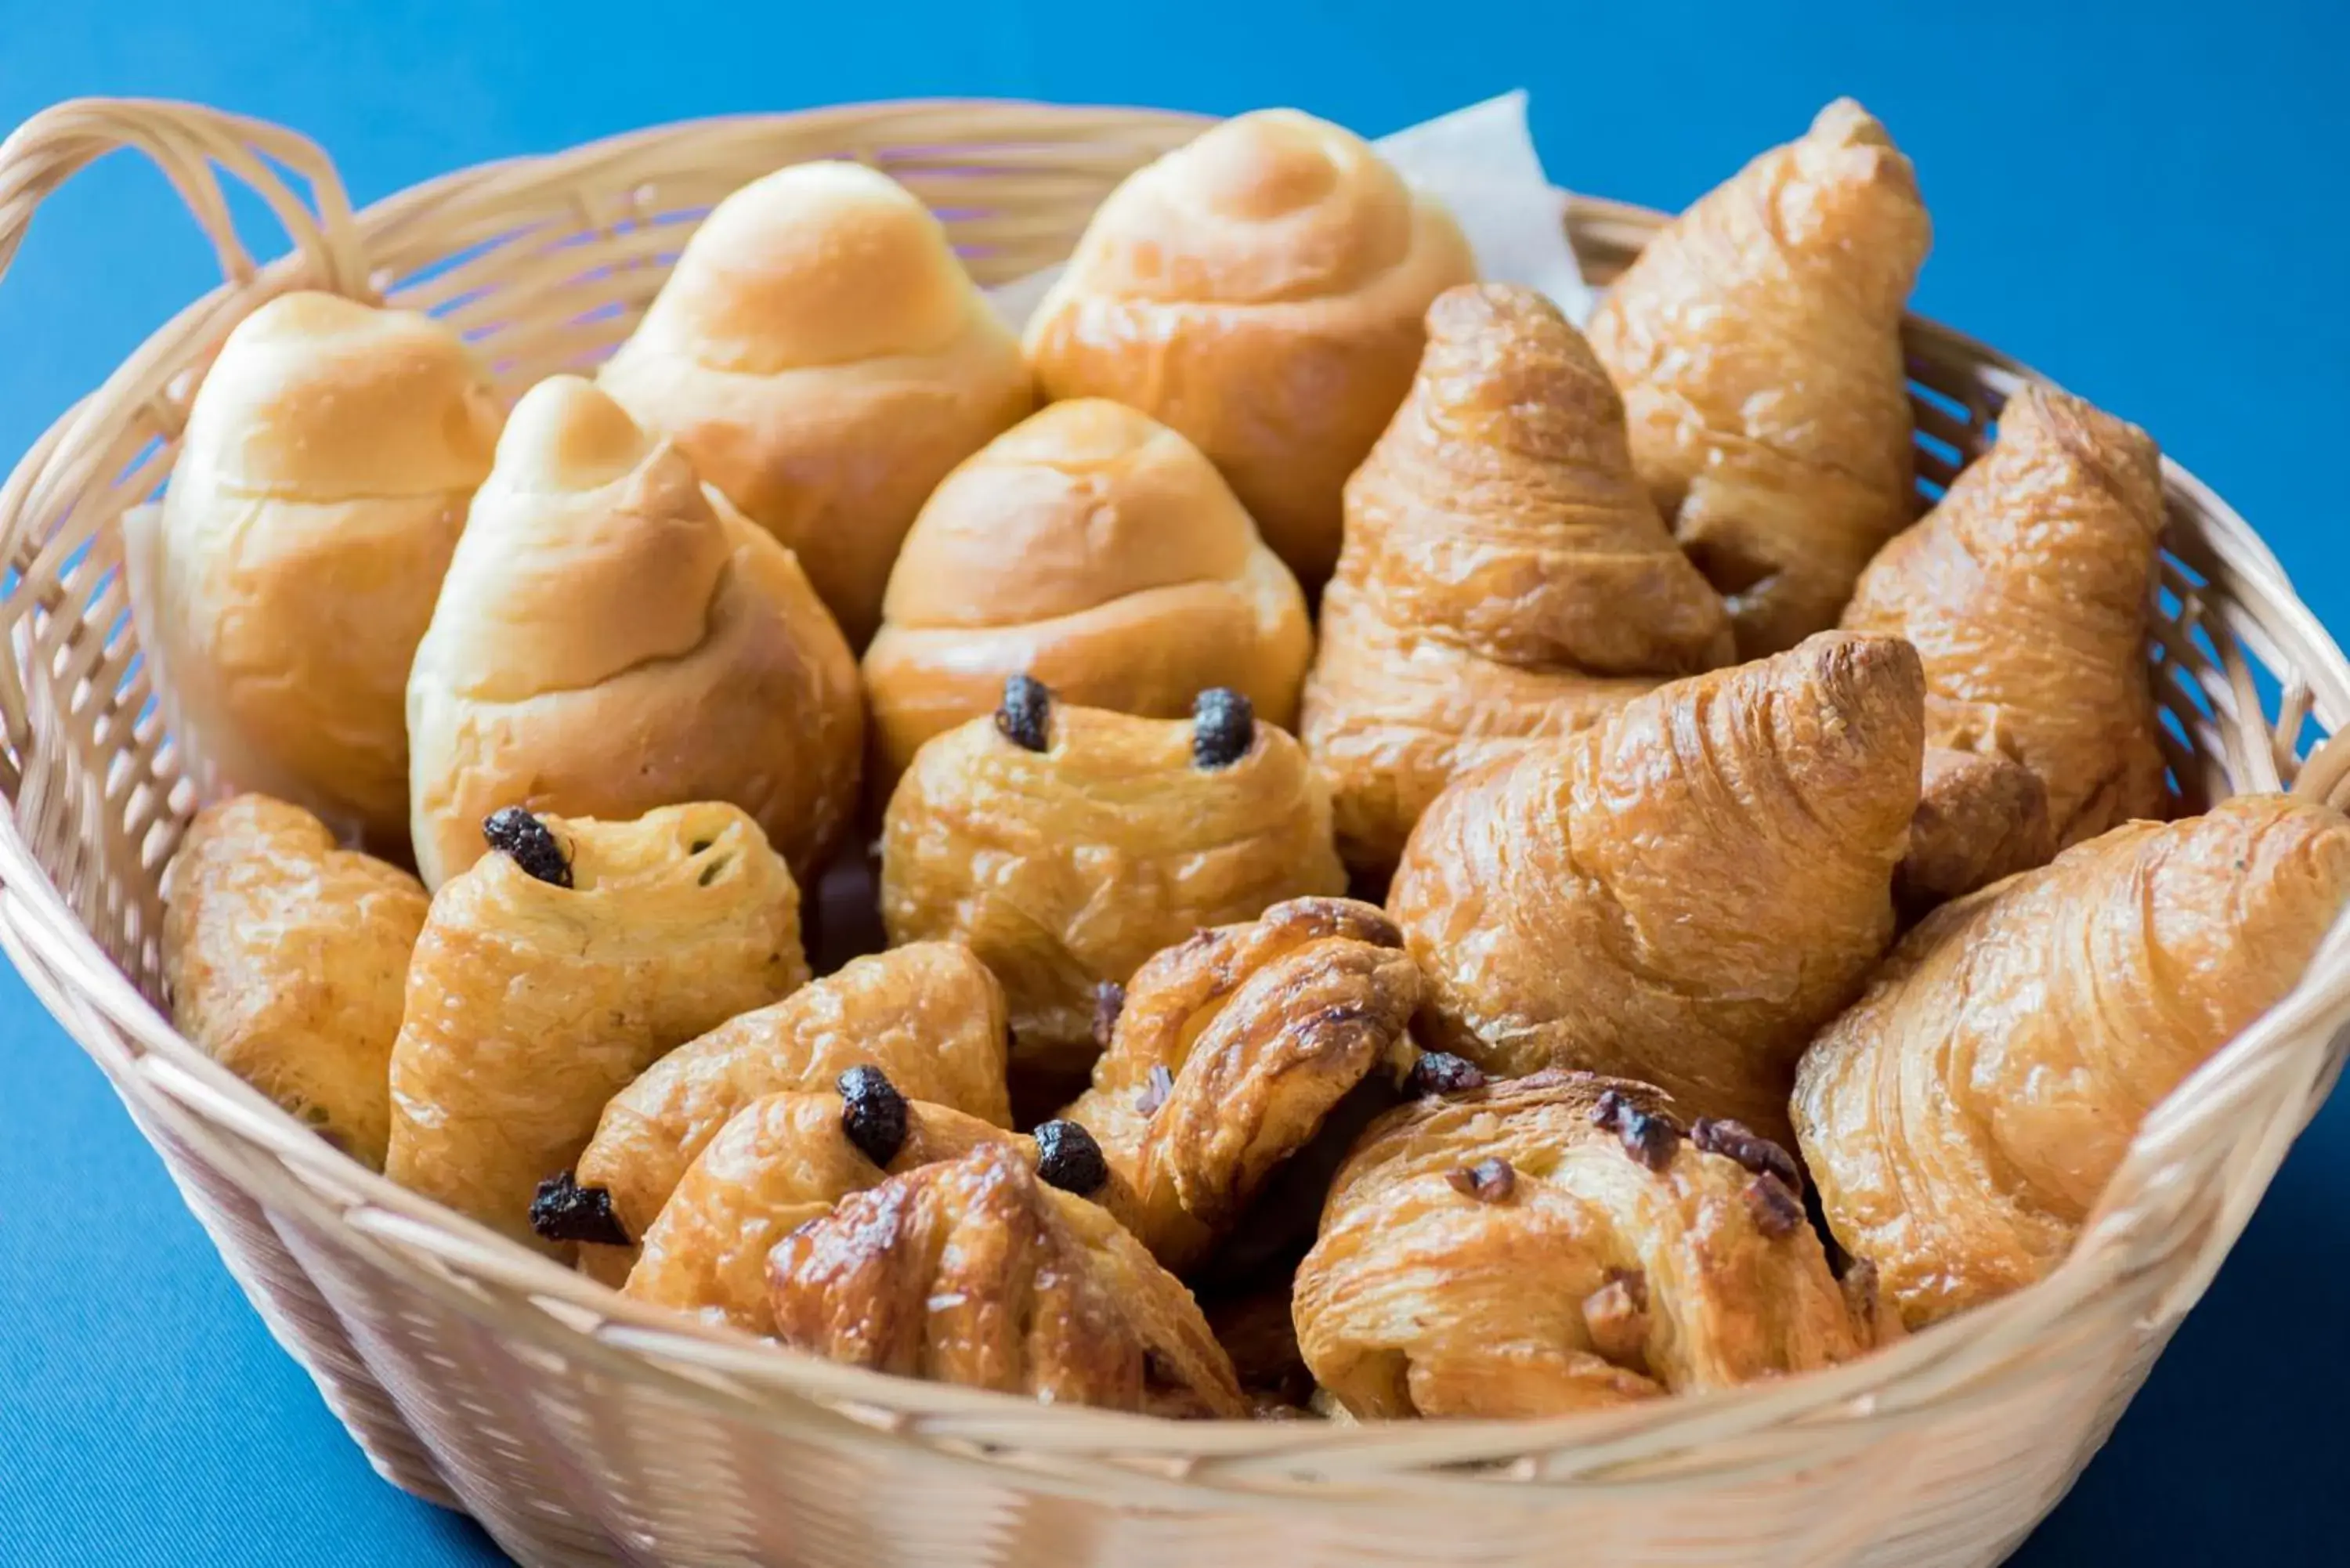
(1065, 844)
(285, 957)
(1558, 1243)
(1963, 1119)
(1260, 290)
(1505, 578)
(972, 1271)
(600, 606)
(280, 588)
(1094, 548)
(1980, 816)
(1686, 891)
(2027, 593)
(1230, 1049)
(821, 356)
(1757, 340)
(553, 972)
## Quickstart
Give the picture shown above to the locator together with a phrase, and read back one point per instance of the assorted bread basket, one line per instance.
(894, 1052)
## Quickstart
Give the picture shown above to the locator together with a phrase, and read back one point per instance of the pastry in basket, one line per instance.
(823, 357)
(285, 957)
(2027, 592)
(928, 1015)
(1227, 1052)
(1981, 816)
(556, 970)
(1758, 343)
(1094, 548)
(1261, 290)
(1963, 1119)
(974, 1271)
(281, 587)
(1505, 576)
(1067, 844)
(611, 638)
(1684, 892)
(1560, 1242)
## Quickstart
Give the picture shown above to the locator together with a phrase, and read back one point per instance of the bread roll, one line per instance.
(610, 639)
(821, 356)
(281, 587)
(1260, 290)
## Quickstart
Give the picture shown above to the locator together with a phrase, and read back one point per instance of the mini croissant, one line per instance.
(1067, 844)
(552, 973)
(1260, 290)
(286, 958)
(1757, 340)
(282, 587)
(973, 1270)
(2027, 593)
(1505, 576)
(1963, 1119)
(1558, 1243)
(601, 608)
(1094, 548)
(823, 357)
(1228, 1052)
(1685, 891)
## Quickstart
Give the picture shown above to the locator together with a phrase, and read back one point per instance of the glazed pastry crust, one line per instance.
(284, 957)
(1980, 817)
(1757, 340)
(1506, 576)
(2028, 594)
(1260, 291)
(822, 357)
(1685, 892)
(530, 1005)
(1067, 868)
(284, 584)
(1592, 1281)
(1094, 548)
(1255, 1033)
(601, 605)
(972, 1271)
(1963, 1117)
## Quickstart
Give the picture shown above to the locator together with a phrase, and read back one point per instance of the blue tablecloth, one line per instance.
(2143, 200)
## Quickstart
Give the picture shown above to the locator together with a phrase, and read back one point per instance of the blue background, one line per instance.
(2145, 201)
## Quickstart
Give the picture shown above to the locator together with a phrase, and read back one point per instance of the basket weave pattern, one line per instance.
(582, 1428)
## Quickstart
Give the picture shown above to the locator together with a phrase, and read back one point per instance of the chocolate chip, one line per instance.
(1223, 727)
(563, 1210)
(1487, 1181)
(872, 1113)
(1442, 1073)
(1025, 712)
(1736, 1140)
(1154, 1093)
(513, 831)
(1652, 1139)
(1109, 1001)
(1068, 1158)
(1776, 1210)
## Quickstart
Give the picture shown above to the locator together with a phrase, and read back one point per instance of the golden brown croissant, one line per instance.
(286, 956)
(1685, 891)
(1067, 844)
(1963, 1117)
(2027, 593)
(601, 608)
(1094, 548)
(282, 586)
(972, 1271)
(823, 357)
(1556, 1242)
(553, 972)
(1757, 340)
(1505, 576)
(1260, 290)
(1228, 1051)
(1980, 816)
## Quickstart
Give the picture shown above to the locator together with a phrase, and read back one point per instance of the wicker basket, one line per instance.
(582, 1428)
